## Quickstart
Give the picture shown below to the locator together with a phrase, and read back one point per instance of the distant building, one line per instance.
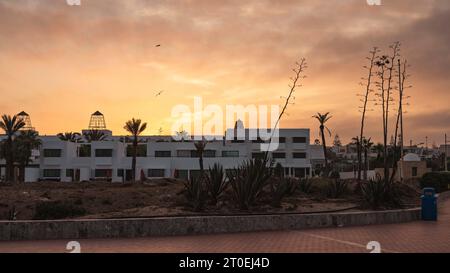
(411, 168)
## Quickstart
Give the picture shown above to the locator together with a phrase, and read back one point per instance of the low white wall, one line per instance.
(32, 174)
(353, 175)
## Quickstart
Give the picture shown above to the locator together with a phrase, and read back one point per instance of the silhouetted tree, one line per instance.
(24, 144)
(69, 136)
(11, 125)
(94, 135)
(135, 127)
(323, 118)
(365, 99)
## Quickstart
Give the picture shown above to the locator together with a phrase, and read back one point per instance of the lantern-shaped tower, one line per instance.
(97, 121)
(26, 119)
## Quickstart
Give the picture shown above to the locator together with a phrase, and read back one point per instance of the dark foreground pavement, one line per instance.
(406, 237)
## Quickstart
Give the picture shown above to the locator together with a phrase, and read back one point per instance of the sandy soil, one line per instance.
(162, 197)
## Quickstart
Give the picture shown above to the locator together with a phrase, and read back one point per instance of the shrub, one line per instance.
(305, 185)
(278, 171)
(57, 210)
(378, 193)
(281, 188)
(337, 188)
(248, 180)
(334, 175)
(216, 182)
(440, 181)
(195, 192)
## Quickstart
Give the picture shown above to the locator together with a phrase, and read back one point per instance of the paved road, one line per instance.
(407, 237)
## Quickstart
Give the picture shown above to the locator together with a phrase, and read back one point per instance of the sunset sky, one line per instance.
(61, 63)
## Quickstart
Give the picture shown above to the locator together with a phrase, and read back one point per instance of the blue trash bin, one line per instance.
(429, 204)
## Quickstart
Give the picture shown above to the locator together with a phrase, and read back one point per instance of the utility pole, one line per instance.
(445, 153)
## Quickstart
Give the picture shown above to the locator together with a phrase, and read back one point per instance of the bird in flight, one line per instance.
(159, 93)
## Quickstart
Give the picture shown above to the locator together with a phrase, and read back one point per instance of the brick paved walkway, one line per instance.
(407, 237)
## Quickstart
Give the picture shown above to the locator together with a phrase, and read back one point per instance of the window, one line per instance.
(103, 172)
(281, 140)
(259, 155)
(230, 153)
(299, 155)
(299, 139)
(120, 172)
(183, 153)
(141, 150)
(414, 171)
(206, 153)
(194, 174)
(84, 150)
(258, 140)
(69, 173)
(156, 172)
(163, 153)
(278, 155)
(52, 173)
(52, 152)
(182, 174)
(103, 153)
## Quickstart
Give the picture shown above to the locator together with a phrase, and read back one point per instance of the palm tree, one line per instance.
(94, 135)
(135, 128)
(323, 118)
(200, 147)
(24, 144)
(366, 145)
(379, 149)
(11, 125)
(69, 136)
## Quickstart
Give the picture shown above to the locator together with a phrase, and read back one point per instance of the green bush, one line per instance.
(57, 210)
(248, 181)
(440, 181)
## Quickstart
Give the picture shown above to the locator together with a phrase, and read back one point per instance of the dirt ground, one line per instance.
(162, 197)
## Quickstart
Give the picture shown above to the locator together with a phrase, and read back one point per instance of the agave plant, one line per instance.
(305, 185)
(216, 182)
(337, 188)
(248, 181)
(378, 193)
(195, 192)
(281, 188)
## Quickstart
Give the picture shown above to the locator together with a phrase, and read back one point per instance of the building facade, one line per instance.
(158, 156)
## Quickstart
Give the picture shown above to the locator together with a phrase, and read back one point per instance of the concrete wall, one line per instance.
(164, 226)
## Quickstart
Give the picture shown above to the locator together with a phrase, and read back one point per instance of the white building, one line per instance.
(158, 156)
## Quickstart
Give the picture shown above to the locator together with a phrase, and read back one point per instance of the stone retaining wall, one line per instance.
(168, 226)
